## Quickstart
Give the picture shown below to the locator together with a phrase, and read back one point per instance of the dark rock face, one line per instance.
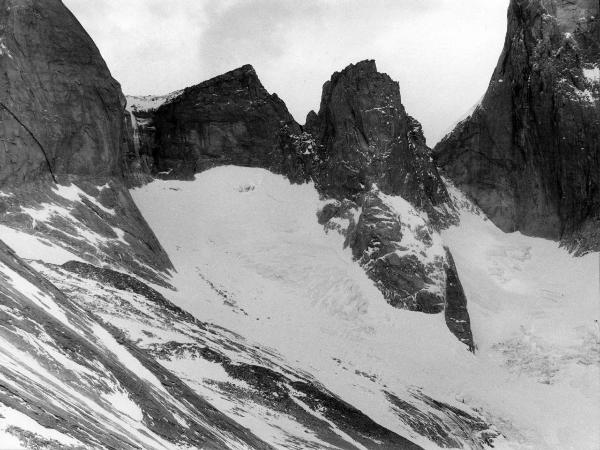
(60, 109)
(368, 146)
(230, 119)
(368, 138)
(457, 315)
(529, 155)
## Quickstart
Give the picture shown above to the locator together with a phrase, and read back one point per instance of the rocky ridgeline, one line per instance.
(362, 151)
(230, 119)
(529, 154)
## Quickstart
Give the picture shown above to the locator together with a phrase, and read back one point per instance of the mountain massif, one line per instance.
(199, 270)
(361, 150)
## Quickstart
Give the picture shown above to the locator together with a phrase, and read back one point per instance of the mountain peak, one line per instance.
(364, 66)
(361, 70)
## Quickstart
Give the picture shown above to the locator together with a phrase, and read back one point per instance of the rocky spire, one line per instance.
(374, 161)
(368, 138)
(529, 155)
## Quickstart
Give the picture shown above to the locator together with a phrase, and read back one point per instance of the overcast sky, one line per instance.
(442, 52)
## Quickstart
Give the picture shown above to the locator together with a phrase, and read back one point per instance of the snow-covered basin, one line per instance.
(250, 256)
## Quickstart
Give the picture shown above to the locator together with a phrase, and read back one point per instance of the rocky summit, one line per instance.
(370, 153)
(368, 139)
(529, 154)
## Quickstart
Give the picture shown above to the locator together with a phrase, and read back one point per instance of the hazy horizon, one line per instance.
(442, 52)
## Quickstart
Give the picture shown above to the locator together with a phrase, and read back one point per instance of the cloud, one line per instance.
(441, 51)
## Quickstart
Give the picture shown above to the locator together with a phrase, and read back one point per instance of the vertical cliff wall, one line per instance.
(529, 155)
(61, 110)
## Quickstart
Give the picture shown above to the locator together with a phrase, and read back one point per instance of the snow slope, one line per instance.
(311, 337)
(534, 310)
(251, 257)
(197, 385)
(149, 102)
(69, 381)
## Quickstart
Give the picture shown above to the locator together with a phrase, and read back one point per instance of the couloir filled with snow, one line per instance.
(250, 256)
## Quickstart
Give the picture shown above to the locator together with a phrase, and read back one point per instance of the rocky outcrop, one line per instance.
(457, 315)
(529, 154)
(230, 119)
(398, 253)
(373, 157)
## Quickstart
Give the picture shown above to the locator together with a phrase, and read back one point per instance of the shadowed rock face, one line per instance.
(60, 110)
(457, 315)
(230, 119)
(368, 146)
(368, 138)
(530, 153)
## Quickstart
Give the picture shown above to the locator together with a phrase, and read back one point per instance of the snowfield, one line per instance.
(251, 257)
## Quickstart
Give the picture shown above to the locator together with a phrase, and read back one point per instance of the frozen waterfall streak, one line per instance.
(32, 136)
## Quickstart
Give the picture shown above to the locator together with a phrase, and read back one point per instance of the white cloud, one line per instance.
(441, 51)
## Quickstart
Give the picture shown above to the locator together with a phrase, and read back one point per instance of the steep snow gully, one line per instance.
(201, 271)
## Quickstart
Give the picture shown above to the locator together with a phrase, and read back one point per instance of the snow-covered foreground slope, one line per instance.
(251, 256)
(291, 344)
(69, 380)
(535, 311)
